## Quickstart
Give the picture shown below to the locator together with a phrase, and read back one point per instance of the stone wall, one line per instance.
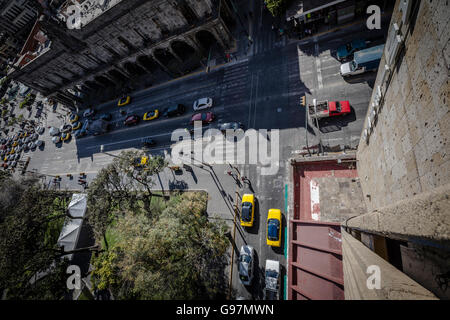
(408, 151)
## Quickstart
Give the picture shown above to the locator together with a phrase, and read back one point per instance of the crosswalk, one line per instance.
(267, 41)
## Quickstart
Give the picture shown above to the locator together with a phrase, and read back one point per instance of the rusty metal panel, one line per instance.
(315, 261)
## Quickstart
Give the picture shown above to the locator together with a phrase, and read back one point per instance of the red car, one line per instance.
(336, 108)
(204, 117)
(130, 120)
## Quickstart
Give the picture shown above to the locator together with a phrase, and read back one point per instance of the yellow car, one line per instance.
(274, 228)
(15, 143)
(73, 118)
(12, 151)
(76, 125)
(65, 136)
(151, 115)
(248, 210)
(124, 101)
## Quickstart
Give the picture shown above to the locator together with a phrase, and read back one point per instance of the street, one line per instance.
(261, 91)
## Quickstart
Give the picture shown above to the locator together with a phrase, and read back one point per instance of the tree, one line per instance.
(30, 222)
(275, 7)
(174, 254)
(120, 186)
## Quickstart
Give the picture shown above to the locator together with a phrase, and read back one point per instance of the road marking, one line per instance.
(123, 141)
(250, 104)
(318, 66)
(256, 99)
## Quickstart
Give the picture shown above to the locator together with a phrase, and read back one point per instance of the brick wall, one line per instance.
(408, 150)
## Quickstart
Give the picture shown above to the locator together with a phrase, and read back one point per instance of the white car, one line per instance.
(56, 139)
(246, 265)
(53, 131)
(203, 103)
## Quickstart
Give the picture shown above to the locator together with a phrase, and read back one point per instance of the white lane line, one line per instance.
(123, 141)
(256, 99)
(250, 104)
(318, 66)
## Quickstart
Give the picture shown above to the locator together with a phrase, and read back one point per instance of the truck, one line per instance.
(346, 51)
(324, 109)
(363, 61)
(272, 279)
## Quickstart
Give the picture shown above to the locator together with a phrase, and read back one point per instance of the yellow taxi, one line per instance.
(151, 115)
(12, 151)
(248, 210)
(76, 125)
(274, 228)
(73, 118)
(124, 101)
(15, 143)
(65, 136)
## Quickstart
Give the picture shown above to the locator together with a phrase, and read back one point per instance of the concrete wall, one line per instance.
(408, 150)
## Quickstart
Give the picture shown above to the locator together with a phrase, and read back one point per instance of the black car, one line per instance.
(174, 111)
(230, 126)
(148, 142)
(104, 116)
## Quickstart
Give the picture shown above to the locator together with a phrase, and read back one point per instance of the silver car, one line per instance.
(246, 265)
(203, 103)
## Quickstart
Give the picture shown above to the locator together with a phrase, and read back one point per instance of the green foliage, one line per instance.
(275, 7)
(29, 218)
(176, 253)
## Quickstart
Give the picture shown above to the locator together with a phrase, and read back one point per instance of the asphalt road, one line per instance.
(261, 91)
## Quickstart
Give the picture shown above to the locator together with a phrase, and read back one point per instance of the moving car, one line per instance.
(324, 109)
(230, 126)
(274, 228)
(124, 101)
(363, 61)
(131, 120)
(148, 142)
(246, 265)
(173, 111)
(151, 115)
(248, 210)
(345, 52)
(203, 103)
(204, 117)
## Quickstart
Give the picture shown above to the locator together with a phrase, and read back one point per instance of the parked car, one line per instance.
(246, 265)
(40, 130)
(88, 113)
(248, 210)
(39, 143)
(56, 139)
(272, 280)
(65, 128)
(53, 131)
(151, 115)
(32, 145)
(203, 103)
(73, 118)
(65, 136)
(131, 120)
(76, 125)
(173, 111)
(204, 117)
(274, 228)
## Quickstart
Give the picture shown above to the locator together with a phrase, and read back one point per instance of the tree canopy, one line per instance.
(275, 7)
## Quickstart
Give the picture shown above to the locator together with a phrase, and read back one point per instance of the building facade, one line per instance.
(119, 40)
(404, 152)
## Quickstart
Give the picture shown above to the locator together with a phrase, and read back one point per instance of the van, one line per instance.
(174, 111)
